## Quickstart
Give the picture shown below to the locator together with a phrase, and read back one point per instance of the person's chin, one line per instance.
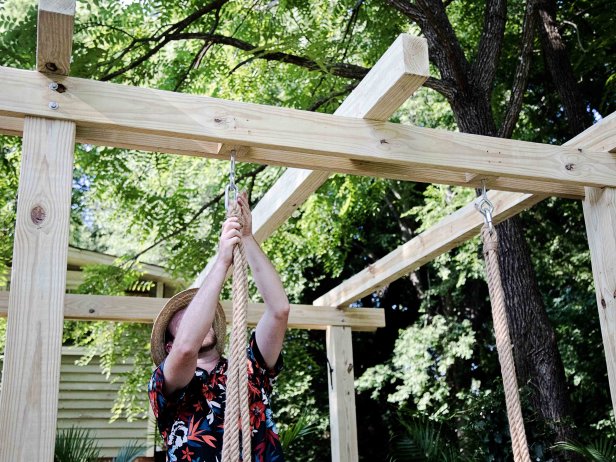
(206, 348)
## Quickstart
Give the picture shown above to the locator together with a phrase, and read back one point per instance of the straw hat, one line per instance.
(176, 303)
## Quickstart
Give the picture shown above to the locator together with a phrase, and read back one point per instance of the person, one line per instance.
(187, 388)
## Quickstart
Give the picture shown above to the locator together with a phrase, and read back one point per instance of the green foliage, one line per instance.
(76, 445)
(423, 354)
(296, 431)
(129, 452)
(602, 450)
(422, 440)
(115, 342)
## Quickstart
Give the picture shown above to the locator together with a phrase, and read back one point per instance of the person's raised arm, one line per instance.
(181, 363)
(273, 324)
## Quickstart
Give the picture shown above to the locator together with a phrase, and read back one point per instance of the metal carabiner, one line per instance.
(485, 207)
(231, 188)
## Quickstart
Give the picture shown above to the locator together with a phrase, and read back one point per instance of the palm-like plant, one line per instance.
(298, 430)
(421, 440)
(129, 452)
(76, 445)
(601, 450)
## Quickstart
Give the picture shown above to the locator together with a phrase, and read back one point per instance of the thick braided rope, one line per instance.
(503, 346)
(237, 407)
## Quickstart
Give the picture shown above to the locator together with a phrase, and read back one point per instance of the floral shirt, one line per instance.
(191, 420)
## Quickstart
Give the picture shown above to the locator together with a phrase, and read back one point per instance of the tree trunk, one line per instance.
(558, 63)
(537, 359)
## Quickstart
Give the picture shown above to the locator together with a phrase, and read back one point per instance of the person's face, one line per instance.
(209, 342)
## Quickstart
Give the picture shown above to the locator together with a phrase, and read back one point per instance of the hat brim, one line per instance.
(177, 303)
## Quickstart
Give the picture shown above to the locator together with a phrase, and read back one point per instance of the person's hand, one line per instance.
(242, 201)
(229, 238)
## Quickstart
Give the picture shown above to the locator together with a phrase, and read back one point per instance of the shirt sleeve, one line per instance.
(259, 363)
(159, 402)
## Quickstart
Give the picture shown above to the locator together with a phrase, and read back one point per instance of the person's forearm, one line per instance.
(200, 312)
(265, 276)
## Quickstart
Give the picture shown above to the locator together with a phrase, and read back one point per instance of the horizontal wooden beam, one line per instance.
(54, 32)
(447, 234)
(456, 228)
(140, 110)
(306, 179)
(14, 126)
(145, 309)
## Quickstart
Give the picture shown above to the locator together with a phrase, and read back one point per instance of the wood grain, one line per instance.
(31, 371)
(145, 309)
(342, 420)
(54, 41)
(118, 107)
(600, 218)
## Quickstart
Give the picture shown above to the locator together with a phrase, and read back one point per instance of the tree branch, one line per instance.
(327, 98)
(559, 65)
(446, 89)
(350, 71)
(443, 44)
(490, 44)
(520, 81)
(163, 38)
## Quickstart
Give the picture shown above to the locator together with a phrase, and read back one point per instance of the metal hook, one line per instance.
(485, 207)
(231, 188)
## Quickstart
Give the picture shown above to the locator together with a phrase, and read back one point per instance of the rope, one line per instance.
(237, 407)
(503, 346)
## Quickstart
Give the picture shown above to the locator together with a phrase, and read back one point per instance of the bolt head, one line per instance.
(53, 86)
(53, 105)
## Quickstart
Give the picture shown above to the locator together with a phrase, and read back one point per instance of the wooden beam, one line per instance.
(402, 69)
(30, 379)
(419, 174)
(340, 377)
(145, 309)
(141, 110)
(13, 126)
(455, 229)
(54, 41)
(266, 222)
(447, 234)
(600, 217)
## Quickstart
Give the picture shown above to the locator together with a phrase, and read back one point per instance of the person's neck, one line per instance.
(208, 360)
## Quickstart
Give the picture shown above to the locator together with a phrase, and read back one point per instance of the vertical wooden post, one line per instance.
(31, 375)
(600, 217)
(342, 420)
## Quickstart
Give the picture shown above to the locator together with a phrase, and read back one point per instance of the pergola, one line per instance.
(53, 112)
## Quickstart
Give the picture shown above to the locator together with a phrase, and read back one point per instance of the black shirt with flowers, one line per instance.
(191, 420)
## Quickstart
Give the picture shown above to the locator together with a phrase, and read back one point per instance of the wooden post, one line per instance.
(600, 217)
(342, 421)
(55, 36)
(31, 375)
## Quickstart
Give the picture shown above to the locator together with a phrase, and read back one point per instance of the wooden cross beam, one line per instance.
(145, 309)
(447, 234)
(454, 229)
(273, 129)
